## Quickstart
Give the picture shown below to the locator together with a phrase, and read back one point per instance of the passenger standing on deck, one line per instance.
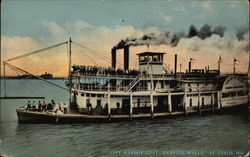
(60, 106)
(34, 105)
(49, 107)
(53, 103)
(39, 106)
(28, 106)
(43, 106)
(65, 108)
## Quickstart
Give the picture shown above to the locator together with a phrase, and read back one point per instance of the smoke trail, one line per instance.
(205, 31)
(171, 38)
(240, 32)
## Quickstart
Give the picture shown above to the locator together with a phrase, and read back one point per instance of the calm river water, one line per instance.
(206, 135)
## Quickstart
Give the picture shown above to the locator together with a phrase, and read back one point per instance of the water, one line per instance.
(207, 135)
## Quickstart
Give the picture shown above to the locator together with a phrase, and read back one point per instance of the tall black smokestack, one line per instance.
(189, 67)
(126, 57)
(113, 53)
(175, 64)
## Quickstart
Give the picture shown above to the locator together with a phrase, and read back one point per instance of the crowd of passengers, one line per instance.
(46, 107)
(95, 70)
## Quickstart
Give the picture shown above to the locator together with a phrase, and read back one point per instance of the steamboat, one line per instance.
(105, 94)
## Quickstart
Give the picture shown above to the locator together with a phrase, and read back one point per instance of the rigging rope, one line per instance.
(90, 59)
(94, 52)
(37, 51)
(33, 89)
(214, 65)
(21, 70)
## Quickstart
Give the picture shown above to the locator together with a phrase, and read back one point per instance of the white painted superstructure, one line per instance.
(99, 90)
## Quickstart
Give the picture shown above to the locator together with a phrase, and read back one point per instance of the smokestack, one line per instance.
(126, 57)
(189, 66)
(113, 53)
(175, 64)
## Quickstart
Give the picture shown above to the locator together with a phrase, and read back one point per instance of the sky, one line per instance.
(29, 25)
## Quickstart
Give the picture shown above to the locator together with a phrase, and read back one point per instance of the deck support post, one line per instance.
(152, 104)
(184, 103)
(169, 102)
(212, 101)
(109, 106)
(219, 101)
(199, 102)
(131, 106)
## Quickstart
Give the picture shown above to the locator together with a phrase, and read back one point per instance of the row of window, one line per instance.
(233, 94)
(88, 104)
(202, 94)
(233, 87)
(189, 84)
(92, 95)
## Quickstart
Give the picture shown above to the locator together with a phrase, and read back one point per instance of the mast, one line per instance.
(234, 64)
(4, 84)
(234, 67)
(248, 72)
(219, 62)
(180, 67)
(70, 79)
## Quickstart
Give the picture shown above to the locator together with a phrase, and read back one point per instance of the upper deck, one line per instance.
(152, 75)
(92, 78)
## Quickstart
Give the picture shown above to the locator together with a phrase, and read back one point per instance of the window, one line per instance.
(202, 101)
(138, 102)
(100, 95)
(88, 103)
(229, 94)
(241, 93)
(92, 95)
(98, 103)
(87, 94)
(190, 102)
(162, 85)
(82, 94)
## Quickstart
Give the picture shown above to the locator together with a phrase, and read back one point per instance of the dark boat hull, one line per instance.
(38, 117)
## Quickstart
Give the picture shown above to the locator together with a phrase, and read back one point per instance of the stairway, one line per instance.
(166, 68)
(133, 83)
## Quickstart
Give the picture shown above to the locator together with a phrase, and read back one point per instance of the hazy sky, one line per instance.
(28, 25)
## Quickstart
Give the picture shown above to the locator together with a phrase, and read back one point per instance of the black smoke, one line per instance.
(240, 32)
(205, 31)
(171, 38)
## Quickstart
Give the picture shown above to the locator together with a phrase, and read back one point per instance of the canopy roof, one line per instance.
(150, 53)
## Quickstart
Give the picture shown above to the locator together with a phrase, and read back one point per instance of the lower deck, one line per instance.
(113, 103)
(52, 117)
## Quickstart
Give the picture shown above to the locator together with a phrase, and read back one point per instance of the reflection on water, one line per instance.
(218, 133)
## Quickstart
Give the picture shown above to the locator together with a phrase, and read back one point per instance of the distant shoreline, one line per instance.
(17, 78)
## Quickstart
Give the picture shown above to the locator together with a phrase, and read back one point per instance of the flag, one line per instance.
(236, 61)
